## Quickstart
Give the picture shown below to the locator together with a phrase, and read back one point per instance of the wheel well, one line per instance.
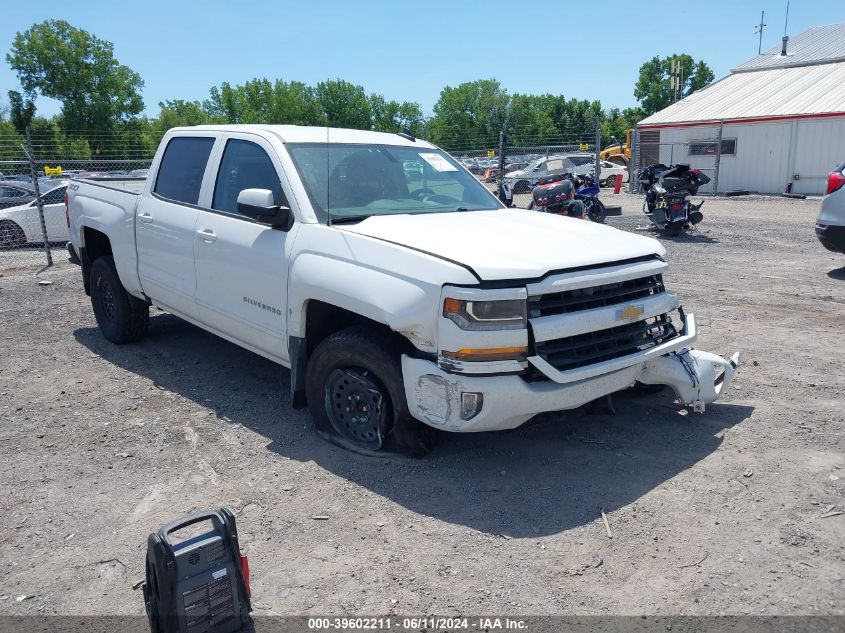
(324, 319)
(321, 321)
(97, 244)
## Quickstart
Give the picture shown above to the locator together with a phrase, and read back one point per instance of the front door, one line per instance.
(241, 265)
(164, 225)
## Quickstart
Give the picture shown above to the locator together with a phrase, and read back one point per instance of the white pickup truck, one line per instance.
(403, 301)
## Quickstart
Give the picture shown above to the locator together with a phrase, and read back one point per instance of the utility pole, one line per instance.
(758, 30)
(675, 77)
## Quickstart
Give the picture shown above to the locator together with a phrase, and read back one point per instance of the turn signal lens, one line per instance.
(470, 354)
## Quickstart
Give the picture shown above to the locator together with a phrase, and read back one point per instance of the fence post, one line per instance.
(598, 149)
(30, 154)
(718, 159)
(634, 165)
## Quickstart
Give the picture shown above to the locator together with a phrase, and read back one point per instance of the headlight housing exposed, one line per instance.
(503, 314)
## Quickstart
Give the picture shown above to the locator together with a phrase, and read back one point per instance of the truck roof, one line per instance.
(312, 134)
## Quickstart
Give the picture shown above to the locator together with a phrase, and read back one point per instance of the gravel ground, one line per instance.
(714, 513)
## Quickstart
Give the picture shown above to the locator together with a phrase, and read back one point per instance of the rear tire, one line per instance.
(121, 317)
(674, 228)
(357, 398)
(11, 235)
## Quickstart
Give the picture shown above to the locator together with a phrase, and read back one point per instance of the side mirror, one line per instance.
(259, 205)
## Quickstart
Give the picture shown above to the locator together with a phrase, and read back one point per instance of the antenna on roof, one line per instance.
(758, 30)
(406, 133)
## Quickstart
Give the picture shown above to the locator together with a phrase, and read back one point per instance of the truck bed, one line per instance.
(130, 185)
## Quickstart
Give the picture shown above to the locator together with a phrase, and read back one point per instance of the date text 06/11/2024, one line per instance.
(418, 623)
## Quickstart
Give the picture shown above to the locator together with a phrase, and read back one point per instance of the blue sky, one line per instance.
(411, 50)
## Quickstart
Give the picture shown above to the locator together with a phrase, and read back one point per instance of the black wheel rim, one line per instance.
(356, 404)
(107, 300)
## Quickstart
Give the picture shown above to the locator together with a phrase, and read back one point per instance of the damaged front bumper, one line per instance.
(506, 401)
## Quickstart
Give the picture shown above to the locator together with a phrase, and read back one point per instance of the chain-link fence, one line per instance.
(35, 167)
(650, 147)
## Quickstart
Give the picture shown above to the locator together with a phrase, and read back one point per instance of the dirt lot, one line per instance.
(714, 513)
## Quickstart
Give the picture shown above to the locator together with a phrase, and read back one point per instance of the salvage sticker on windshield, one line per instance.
(438, 162)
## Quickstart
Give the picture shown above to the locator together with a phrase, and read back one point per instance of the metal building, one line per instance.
(780, 117)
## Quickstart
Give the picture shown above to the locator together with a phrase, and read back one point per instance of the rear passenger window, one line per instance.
(244, 166)
(182, 168)
(55, 196)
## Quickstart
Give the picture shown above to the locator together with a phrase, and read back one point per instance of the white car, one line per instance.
(400, 306)
(21, 225)
(520, 181)
(610, 172)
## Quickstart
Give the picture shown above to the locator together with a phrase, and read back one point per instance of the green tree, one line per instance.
(654, 87)
(21, 111)
(469, 116)
(344, 104)
(57, 60)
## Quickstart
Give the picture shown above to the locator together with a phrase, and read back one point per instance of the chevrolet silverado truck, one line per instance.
(404, 302)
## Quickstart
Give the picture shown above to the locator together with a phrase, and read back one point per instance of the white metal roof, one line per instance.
(765, 93)
(814, 46)
(313, 134)
(809, 80)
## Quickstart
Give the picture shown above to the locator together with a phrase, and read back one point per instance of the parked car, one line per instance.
(520, 181)
(20, 225)
(14, 193)
(139, 173)
(400, 310)
(610, 172)
(830, 225)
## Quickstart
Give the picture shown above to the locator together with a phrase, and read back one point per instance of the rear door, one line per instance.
(241, 265)
(165, 222)
(53, 203)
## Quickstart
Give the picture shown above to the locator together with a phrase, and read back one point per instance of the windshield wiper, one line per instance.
(348, 219)
(461, 209)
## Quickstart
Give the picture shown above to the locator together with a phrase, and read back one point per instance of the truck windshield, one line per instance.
(357, 181)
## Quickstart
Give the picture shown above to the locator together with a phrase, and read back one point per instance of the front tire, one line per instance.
(356, 396)
(121, 317)
(596, 211)
(611, 181)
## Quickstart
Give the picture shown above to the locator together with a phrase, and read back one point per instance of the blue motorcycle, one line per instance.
(587, 191)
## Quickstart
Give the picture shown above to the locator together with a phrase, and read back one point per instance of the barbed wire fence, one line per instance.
(35, 167)
(519, 155)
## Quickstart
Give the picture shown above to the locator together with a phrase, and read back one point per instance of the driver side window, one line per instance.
(245, 165)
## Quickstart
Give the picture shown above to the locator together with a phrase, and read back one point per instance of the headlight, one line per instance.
(507, 314)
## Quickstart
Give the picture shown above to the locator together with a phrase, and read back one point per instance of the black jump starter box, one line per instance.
(199, 585)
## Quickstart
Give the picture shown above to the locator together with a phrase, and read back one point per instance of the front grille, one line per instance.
(594, 347)
(595, 297)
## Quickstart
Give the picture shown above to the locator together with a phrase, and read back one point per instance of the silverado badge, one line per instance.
(630, 312)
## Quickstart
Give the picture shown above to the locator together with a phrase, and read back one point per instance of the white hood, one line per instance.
(508, 244)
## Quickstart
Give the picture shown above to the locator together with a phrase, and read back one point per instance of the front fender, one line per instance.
(406, 306)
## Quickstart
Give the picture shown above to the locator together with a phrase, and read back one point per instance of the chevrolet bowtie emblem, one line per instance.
(630, 312)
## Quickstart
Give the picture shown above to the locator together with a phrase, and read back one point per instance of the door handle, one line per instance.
(145, 217)
(207, 236)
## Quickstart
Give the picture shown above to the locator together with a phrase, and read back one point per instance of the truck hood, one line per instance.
(508, 244)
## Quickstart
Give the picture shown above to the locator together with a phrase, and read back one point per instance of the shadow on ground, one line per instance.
(837, 273)
(543, 478)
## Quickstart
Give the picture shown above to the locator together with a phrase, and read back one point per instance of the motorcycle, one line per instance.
(547, 192)
(667, 196)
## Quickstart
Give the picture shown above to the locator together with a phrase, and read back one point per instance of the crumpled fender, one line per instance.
(698, 378)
